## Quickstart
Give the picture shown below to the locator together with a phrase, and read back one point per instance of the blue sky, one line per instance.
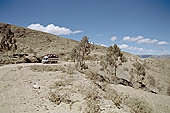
(137, 26)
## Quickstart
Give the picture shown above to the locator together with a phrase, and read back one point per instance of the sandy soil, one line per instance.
(18, 93)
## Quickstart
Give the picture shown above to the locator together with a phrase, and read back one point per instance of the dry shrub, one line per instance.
(112, 95)
(70, 69)
(168, 90)
(19, 67)
(92, 98)
(151, 80)
(66, 59)
(101, 69)
(58, 84)
(139, 68)
(146, 65)
(91, 58)
(54, 98)
(95, 76)
(47, 68)
(57, 99)
(138, 105)
(92, 101)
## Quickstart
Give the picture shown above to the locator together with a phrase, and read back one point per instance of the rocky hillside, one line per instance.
(139, 86)
(40, 42)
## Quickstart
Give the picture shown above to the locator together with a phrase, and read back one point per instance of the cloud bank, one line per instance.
(163, 43)
(141, 39)
(124, 46)
(51, 28)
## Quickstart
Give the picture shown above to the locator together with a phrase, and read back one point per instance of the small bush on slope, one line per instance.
(137, 105)
(168, 90)
(38, 68)
(152, 81)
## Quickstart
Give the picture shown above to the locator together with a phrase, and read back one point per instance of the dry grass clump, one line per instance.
(19, 67)
(62, 83)
(168, 90)
(70, 69)
(112, 95)
(151, 80)
(138, 105)
(90, 58)
(95, 76)
(61, 93)
(38, 68)
(92, 100)
(146, 65)
(57, 99)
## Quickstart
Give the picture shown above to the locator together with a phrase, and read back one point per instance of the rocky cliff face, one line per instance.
(7, 43)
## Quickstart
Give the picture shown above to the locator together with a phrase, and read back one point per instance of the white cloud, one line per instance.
(124, 46)
(51, 28)
(135, 48)
(103, 45)
(147, 41)
(133, 39)
(78, 31)
(113, 38)
(140, 39)
(163, 43)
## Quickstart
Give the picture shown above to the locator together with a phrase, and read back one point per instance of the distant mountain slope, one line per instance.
(41, 42)
(154, 56)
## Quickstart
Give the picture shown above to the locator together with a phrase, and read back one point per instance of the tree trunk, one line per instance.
(115, 70)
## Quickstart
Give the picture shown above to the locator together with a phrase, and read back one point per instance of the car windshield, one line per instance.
(45, 58)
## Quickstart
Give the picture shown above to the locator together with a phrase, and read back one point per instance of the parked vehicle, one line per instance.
(50, 58)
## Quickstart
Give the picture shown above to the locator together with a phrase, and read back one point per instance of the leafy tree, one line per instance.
(79, 52)
(112, 59)
(74, 54)
(140, 71)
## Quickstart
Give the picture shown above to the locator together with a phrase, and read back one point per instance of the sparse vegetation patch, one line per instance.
(42, 68)
(137, 105)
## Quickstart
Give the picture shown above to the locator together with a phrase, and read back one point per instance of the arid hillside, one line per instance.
(42, 43)
(35, 42)
(104, 80)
